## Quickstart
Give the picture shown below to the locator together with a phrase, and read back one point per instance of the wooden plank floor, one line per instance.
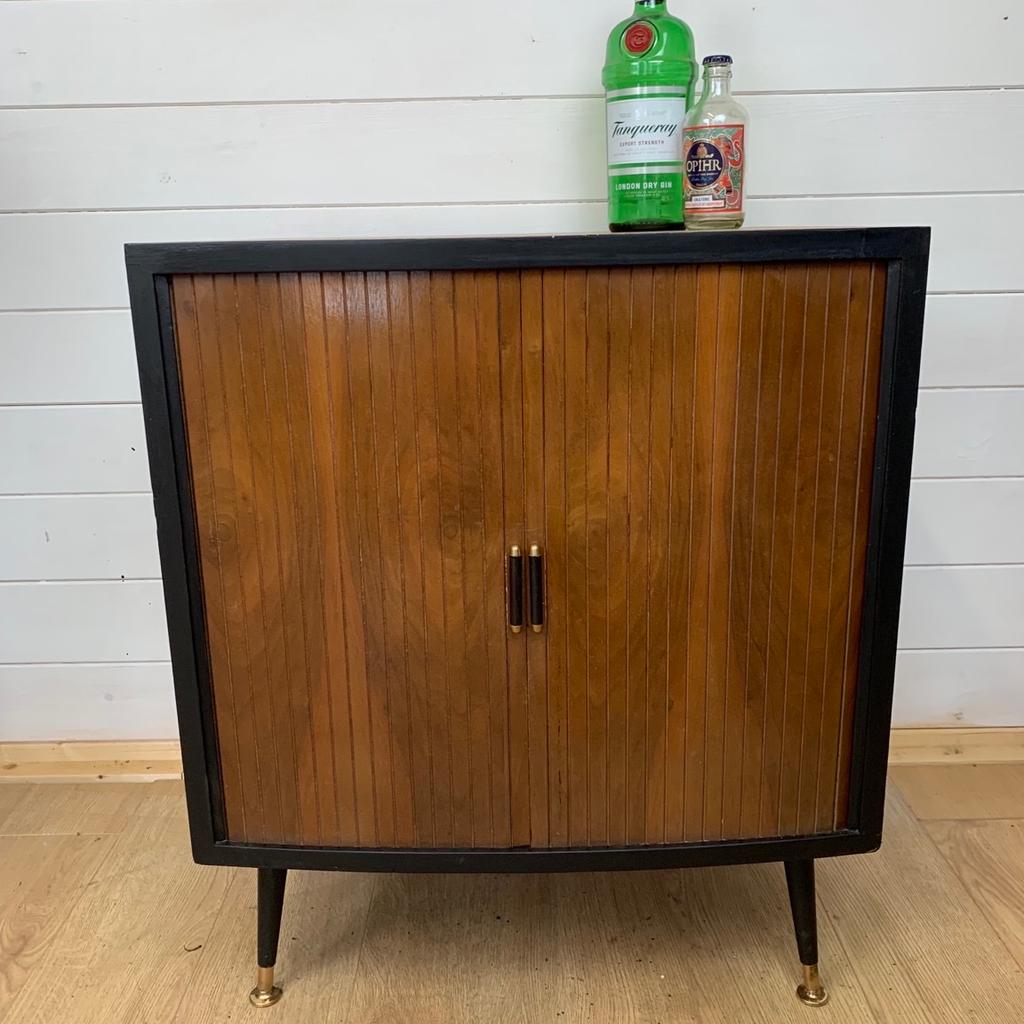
(103, 917)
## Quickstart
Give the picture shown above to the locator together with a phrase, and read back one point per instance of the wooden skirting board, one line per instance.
(153, 760)
(125, 761)
(956, 746)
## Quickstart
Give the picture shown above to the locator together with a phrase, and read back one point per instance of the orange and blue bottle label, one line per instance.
(713, 158)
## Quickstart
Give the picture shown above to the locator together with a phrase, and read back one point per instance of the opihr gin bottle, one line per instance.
(715, 151)
(650, 75)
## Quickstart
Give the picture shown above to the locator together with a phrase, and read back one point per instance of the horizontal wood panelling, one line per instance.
(87, 702)
(67, 357)
(962, 606)
(966, 522)
(68, 622)
(119, 52)
(72, 449)
(79, 537)
(948, 607)
(170, 51)
(55, 261)
(970, 433)
(999, 749)
(61, 449)
(959, 688)
(135, 701)
(247, 155)
(975, 245)
(148, 760)
(972, 340)
(105, 536)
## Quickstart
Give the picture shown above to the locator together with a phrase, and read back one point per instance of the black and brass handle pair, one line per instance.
(515, 589)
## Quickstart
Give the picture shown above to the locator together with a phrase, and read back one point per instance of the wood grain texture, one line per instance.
(707, 444)
(690, 448)
(961, 746)
(966, 791)
(127, 929)
(986, 857)
(346, 441)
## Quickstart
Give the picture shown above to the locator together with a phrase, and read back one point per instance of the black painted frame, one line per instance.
(905, 252)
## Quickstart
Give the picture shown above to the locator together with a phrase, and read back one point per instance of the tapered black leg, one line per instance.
(800, 880)
(269, 904)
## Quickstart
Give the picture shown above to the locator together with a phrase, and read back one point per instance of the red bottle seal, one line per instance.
(638, 38)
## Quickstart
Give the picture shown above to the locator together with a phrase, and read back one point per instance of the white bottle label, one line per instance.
(645, 130)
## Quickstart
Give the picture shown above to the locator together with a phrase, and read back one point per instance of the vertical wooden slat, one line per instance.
(576, 558)
(620, 319)
(862, 506)
(272, 706)
(763, 530)
(659, 549)
(449, 455)
(531, 294)
(597, 624)
(681, 496)
(200, 425)
(699, 541)
(721, 502)
(554, 545)
(330, 683)
(493, 563)
(416, 699)
(236, 545)
(511, 342)
(390, 554)
(350, 570)
(289, 678)
(636, 620)
(215, 309)
(470, 490)
(289, 637)
(784, 543)
(806, 496)
(438, 665)
(843, 541)
(308, 595)
(742, 515)
(364, 425)
(820, 626)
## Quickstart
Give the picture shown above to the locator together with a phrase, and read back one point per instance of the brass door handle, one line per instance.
(515, 589)
(536, 589)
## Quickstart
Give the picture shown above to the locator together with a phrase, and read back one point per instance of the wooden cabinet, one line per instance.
(705, 439)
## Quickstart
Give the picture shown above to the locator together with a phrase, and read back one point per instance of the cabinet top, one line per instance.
(528, 251)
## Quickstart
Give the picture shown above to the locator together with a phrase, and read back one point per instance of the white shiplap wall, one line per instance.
(123, 120)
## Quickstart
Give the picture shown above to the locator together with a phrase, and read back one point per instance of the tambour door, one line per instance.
(347, 451)
(703, 438)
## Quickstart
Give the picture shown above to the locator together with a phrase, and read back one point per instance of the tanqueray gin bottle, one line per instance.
(650, 75)
(715, 151)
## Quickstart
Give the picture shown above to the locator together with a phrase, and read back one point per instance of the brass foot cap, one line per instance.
(812, 992)
(266, 993)
(265, 997)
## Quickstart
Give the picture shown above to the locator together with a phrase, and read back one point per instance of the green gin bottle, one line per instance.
(650, 73)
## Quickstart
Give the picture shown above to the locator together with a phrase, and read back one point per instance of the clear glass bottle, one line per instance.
(715, 153)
